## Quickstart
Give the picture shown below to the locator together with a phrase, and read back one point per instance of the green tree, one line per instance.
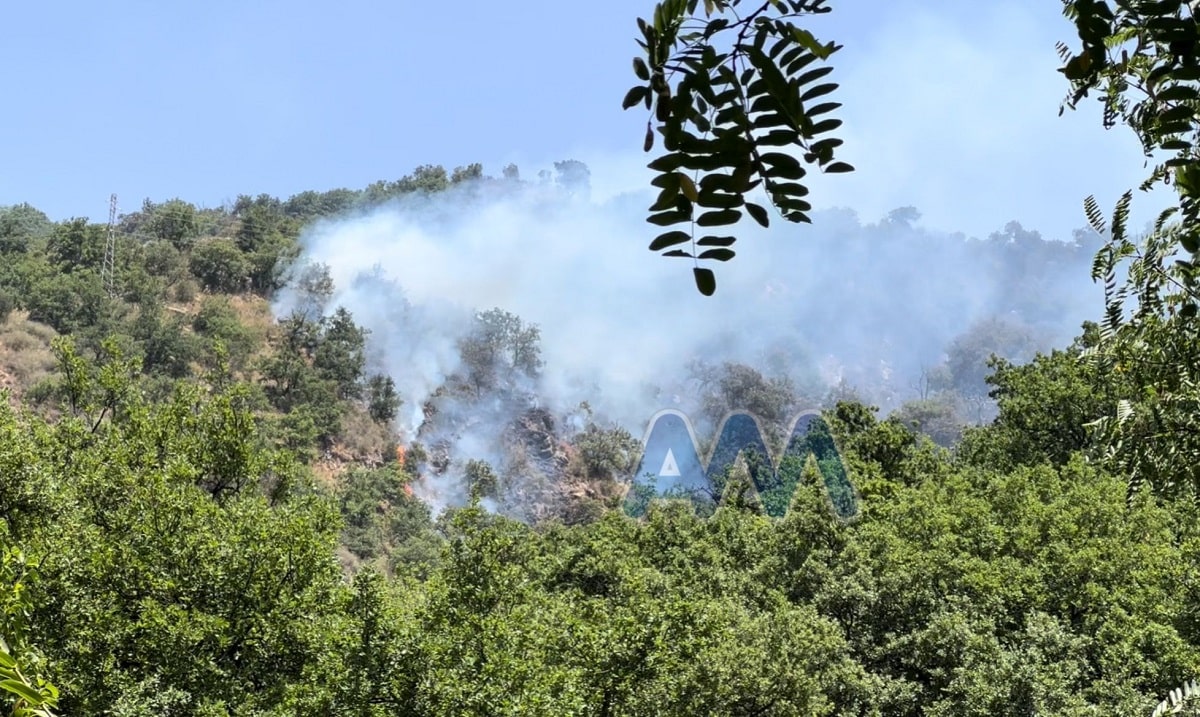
(76, 245)
(469, 173)
(267, 236)
(314, 288)
(261, 219)
(69, 302)
(294, 385)
(163, 259)
(1150, 345)
(573, 176)
(739, 387)
(481, 479)
(310, 205)
(183, 561)
(382, 399)
(175, 221)
(21, 226)
(220, 266)
(968, 355)
(380, 516)
(165, 347)
(1044, 408)
(606, 453)
(217, 321)
(426, 178)
(340, 356)
(936, 417)
(500, 346)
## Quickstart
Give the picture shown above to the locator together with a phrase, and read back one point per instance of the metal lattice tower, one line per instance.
(107, 273)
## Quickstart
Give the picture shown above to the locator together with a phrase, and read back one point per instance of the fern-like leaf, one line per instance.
(1175, 699)
(1095, 217)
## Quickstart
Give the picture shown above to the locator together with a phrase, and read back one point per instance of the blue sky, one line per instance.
(949, 106)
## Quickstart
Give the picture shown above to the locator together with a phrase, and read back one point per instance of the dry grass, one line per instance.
(328, 474)
(253, 311)
(25, 354)
(362, 440)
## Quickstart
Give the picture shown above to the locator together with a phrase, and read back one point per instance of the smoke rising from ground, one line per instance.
(873, 306)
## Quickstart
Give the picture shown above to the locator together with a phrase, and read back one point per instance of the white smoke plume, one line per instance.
(844, 301)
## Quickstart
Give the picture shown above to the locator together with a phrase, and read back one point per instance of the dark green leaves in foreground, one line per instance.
(1142, 62)
(746, 118)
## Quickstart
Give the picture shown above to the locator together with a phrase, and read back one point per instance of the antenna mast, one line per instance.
(107, 273)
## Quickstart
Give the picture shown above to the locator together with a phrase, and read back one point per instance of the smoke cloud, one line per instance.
(872, 306)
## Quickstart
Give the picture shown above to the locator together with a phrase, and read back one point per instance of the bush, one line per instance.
(162, 259)
(221, 266)
(379, 515)
(185, 291)
(218, 321)
(7, 303)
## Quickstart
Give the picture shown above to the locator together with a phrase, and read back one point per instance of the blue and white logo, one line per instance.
(671, 466)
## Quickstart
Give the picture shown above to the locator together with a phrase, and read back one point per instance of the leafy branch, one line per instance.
(1148, 344)
(729, 93)
(21, 695)
(1143, 59)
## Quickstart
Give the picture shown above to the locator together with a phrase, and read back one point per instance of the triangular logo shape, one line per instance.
(670, 469)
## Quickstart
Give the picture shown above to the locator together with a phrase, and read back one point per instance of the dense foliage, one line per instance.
(204, 510)
(185, 567)
(1142, 60)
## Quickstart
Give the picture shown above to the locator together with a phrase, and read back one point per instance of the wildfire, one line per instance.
(408, 491)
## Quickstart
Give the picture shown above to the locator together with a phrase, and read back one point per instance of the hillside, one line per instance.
(223, 490)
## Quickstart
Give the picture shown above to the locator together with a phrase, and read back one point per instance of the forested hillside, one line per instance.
(215, 498)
